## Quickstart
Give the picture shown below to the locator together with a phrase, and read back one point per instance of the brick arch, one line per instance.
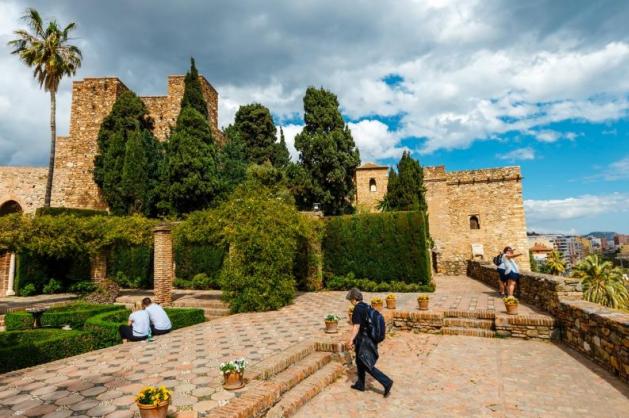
(8, 200)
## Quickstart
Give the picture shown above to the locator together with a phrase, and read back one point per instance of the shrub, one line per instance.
(53, 286)
(183, 284)
(193, 258)
(125, 282)
(106, 292)
(386, 247)
(131, 266)
(366, 285)
(83, 287)
(21, 349)
(104, 327)
(28, 290)
(69, 211)
(74, 315)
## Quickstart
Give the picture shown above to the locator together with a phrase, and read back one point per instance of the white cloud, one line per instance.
(575, 207)
(374, 140)
(618, 170)
(522, 154)
(290, 131)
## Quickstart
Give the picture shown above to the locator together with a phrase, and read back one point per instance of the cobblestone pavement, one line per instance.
(448, 376)
(102, 383)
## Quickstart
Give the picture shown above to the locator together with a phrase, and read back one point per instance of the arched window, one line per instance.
(372, 185)
(474, 222)
(10, 206)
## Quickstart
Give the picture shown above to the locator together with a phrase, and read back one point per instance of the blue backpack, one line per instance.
(376, 327)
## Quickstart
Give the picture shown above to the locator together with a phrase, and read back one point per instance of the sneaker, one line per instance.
(358, 387)
(387, 390)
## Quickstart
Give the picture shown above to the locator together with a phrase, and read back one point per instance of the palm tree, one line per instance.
(49, 53)
(602, 282)
(555, 263)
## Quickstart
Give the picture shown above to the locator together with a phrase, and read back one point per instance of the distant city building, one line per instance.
(621, 239)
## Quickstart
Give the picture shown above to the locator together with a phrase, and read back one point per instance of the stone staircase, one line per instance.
(282, 384)
(474, 327)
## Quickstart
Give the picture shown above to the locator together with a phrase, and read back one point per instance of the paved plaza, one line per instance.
(439, 374)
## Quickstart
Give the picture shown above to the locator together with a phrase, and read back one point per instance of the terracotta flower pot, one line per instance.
(391, 303)
(512, 308)
(423, 304)
(233, 380)
(377, 306)
(331, 327)
(154, 411)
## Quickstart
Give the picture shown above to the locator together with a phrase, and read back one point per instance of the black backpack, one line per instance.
(376, 327)
(498, 259)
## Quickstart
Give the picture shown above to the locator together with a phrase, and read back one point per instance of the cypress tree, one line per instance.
(328, 154)
(405, 190)
(256, 129)
(189, 172)
(131, 192)
(280, 157)
(232, 161)
(193, 94)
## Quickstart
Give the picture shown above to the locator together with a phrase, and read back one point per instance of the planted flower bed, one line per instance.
(19, 349)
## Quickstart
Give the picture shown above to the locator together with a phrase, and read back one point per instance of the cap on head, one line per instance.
(354, 294)
(146, 302)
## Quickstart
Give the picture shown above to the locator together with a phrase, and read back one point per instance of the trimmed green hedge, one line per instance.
(39, 269)
(131, 266)
(74, 315)
(70, 211)
(192, 259)
(19, 349)
(390, 246)
(104, 327)
(366, 285)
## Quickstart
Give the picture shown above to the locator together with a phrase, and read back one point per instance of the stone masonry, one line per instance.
(492, 196)
(24, 185)
(163, 265)
(371, 185)
(92, 101)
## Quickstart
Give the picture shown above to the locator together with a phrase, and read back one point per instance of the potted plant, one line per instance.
(331, 323)
(423, 300)
(391, 298)
(153, 401)
(377, 303)
(350, 312)
(233, 374)
(511, 304)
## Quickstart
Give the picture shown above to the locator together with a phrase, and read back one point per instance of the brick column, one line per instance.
(98, 267)
(5, 260)
(163, 264)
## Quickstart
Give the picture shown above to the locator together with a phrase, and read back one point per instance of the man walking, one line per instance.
(366, 348)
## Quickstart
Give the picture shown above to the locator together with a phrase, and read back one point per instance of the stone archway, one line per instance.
(7, 259)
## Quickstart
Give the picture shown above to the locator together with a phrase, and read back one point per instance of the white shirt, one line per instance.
(510, 265)
(158, 317)
(140, 323)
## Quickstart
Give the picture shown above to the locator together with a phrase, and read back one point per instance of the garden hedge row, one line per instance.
(19, 349)
(390, 246)
(192, 259)
(131, 266)
(74, 315)
(104, 327)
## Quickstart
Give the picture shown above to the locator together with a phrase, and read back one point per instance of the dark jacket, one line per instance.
(366, 350)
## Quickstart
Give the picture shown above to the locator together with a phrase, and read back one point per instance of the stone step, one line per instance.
(200, 303)
(468, 323)
(475, 314)
(470, 332)
(277, 363)
(299, 371)
(310, 387)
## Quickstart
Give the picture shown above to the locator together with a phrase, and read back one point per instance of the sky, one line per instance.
(543, 84)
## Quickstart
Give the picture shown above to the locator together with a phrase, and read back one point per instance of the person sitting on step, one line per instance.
(138, 327)
(160, 323)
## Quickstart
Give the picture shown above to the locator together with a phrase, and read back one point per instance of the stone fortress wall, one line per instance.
(492, 196)
(25, 186)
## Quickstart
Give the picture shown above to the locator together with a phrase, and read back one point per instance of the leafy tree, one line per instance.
(126, 167)
(405, 189)
(193, 94)
(280, 157)
(232, 160)
(555, 263)
(47, 50)
(328, 155)
(189, 174)
(602, 282)
(255, 127)
(261, 225)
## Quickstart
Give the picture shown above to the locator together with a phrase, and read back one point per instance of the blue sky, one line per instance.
(464, 83)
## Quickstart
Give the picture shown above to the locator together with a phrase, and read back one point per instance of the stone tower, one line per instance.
(92, 101)
(371, 186)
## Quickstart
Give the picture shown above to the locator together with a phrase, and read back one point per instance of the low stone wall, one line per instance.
(602, 334)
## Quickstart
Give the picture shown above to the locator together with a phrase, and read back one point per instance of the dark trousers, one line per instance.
(126, 332)
(159, 331)
(382, 378)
